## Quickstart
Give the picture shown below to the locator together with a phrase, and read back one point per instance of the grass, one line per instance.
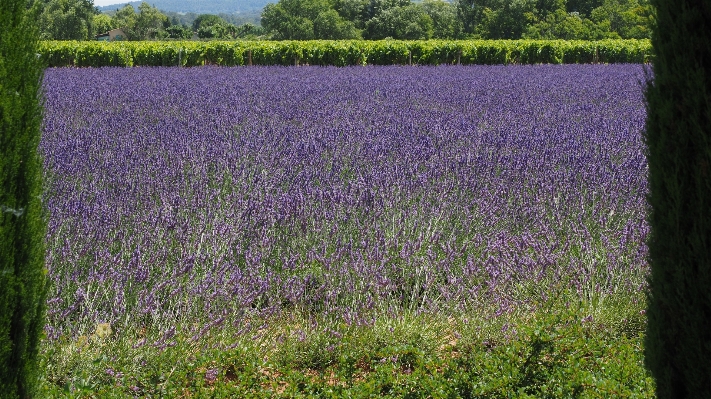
(554, 350)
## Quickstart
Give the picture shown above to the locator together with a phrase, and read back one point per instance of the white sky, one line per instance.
(102, 3)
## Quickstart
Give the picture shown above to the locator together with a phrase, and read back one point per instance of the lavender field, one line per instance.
(187, 200)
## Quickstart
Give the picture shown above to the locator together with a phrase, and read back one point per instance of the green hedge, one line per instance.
(343, 52)
(23, 281)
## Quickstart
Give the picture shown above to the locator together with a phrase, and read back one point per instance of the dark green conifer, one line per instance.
(22, 225)
(678, 136)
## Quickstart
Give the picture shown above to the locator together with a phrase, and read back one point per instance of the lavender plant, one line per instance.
(190, 200)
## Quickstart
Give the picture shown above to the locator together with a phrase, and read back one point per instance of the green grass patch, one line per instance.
(558, 350)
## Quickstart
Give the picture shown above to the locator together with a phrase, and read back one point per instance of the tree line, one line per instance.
(81, 20)
(363, 19)
(460, 19)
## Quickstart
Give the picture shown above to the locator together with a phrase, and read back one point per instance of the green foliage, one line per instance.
(149, 22)
(187, 18)
(376, 7)
(284, 25)
(146, 24)
(445, 24)
(558, 355)
(67, 20)
(560, 24)
(372, 19)
(507, 20)
(207, 20)
(330, 25)
(678, 137)
(343, 53)
(126, 18)
(556, 19)
(353, 10)
(216, 31)
(558, 351)
(337, 53)
(583, 7)
(103, 23)
(248, 31)
(72, 53)
(349, 19)
(306, 19)
(210, 26)
(626, 18)
(22, 225)
(409, 22)
(178, 32)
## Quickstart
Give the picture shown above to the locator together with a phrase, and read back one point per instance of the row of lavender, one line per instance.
(200, 197)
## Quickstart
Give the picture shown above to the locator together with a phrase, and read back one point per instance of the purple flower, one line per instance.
(215, 194)
(211, 375)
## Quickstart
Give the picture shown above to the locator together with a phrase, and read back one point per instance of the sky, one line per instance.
(102, 3)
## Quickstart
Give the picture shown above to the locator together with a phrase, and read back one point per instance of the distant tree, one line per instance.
(22, 225)
(293, 19)
(330, 25)
(309, 9)
(555, 19)
(630, 19)
(283, 26)
(242, 18)
(678, 138)
(445, 23)
(568, 26)
(545, 7)
(178, 32)
(125, 19)
(67, 19)
(217, 31)
(185, 19)
(103, 23)
(207, 20)
(248, 30)
(377, 7)
(410, 22)
(507, 20)
(353, 10)
(583, 7)
(471, 13)
(150, 22)
(146, 24)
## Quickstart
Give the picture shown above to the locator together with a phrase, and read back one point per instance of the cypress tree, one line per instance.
(678, 138)
(22, 225)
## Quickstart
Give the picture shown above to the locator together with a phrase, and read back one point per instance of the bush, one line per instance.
(344, 52)
(22, 273)
(678, 137)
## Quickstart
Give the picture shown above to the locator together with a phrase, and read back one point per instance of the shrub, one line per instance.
(344, 52)
(22, 275)
(678, 137)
